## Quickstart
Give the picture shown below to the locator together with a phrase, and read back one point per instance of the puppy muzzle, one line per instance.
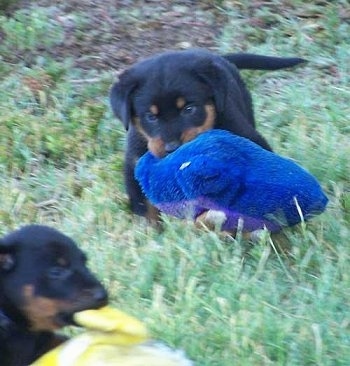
(172, 146)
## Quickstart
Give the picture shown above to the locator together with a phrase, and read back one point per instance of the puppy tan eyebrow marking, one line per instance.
(62, 262)
(154, 109)
(180, 102)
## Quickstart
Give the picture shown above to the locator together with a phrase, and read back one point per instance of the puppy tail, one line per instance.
(251, 61)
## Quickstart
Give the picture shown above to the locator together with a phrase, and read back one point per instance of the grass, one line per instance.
(222, 300)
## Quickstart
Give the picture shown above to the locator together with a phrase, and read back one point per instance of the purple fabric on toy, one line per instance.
(225, 172)
(194, 208)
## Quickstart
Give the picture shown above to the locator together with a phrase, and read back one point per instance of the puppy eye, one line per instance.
(189, 109)
(56, 273)
(151, 118)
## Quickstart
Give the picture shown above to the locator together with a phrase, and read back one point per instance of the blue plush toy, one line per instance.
(254, 188)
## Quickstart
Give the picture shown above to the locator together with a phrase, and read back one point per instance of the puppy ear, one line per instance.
(211, 74)
(230, 94)
(7, 257)
(121, 97)
(232, 99)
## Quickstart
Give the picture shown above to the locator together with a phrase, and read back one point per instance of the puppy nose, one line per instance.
(172, 146)
(100, 295)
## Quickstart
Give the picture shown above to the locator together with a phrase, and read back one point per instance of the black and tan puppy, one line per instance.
(167, 100)
(43, 282)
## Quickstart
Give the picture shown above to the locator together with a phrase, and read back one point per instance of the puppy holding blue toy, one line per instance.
(251, 188)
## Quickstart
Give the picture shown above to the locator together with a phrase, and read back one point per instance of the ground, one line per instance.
(222, 300)
(115, 34)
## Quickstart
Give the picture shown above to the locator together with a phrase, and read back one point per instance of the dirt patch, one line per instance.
(114, 34)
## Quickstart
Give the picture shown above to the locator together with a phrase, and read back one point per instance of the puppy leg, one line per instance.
(139, 205)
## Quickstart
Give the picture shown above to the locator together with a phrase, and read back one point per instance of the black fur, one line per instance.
(202, 79)
(43, 281)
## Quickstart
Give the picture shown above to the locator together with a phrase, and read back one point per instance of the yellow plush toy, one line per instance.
(112, 338)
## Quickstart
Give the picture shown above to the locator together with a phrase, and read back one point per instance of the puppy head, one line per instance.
(44, 279)
(173, 119)
(173, 97)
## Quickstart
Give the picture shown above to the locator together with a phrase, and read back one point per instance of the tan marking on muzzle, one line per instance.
(156, 146)
(208, 124)
(41, 311)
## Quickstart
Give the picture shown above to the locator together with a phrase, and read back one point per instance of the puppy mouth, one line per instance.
(65, 318)
(172, 146)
